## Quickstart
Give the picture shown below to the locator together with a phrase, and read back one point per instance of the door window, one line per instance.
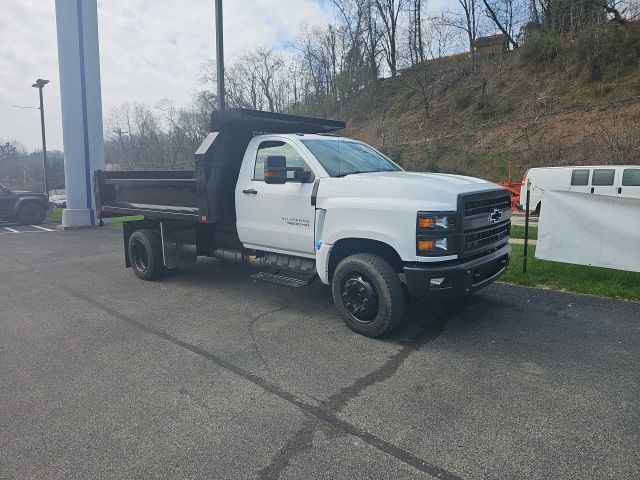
(272, 147)
(580, 177)
(603, 177)
(631, 177)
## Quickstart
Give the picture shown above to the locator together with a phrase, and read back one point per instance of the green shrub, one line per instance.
(597, 52)
(541, 46)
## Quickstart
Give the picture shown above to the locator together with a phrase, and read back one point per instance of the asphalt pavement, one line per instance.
(211, 374)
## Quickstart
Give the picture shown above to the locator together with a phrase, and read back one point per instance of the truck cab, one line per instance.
(303, 204)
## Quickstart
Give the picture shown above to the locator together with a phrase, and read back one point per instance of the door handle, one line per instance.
(592, 189)
(250, 191)
(619, 190)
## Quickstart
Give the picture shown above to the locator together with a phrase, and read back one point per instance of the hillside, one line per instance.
(552, 102)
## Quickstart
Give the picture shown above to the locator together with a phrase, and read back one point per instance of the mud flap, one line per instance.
(178, 244)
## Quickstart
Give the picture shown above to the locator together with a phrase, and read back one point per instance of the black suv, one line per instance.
(26, 207)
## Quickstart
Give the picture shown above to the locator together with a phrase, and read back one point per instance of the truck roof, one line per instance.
(270, 122)
(308, 136)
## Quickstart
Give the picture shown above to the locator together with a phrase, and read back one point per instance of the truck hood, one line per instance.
(29, 194)
(426, 190)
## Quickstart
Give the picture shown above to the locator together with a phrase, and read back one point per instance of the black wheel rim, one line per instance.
(140, 256)
(360, 297)
(31, 214)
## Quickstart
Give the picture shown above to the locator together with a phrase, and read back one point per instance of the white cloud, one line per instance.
(28, 50)
(149, 49)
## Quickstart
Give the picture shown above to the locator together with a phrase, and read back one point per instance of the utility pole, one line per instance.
(220, 55)
(40, 83)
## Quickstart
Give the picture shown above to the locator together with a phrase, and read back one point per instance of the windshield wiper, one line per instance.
(344, 174)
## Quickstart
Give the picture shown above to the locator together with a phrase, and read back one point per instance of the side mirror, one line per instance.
(302, 175)
(275, 169)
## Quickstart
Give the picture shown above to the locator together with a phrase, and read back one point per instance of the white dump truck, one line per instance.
(278, 191)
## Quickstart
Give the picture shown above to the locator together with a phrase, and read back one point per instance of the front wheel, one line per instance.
(32, 214)
(368, 294)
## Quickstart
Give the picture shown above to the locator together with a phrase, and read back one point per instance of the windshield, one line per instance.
(344, 157)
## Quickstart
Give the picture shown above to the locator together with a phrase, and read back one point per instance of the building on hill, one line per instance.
(492, 44)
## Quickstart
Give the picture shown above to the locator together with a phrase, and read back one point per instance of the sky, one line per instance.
(149, 50)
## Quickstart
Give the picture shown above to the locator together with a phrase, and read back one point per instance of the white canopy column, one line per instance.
(79, 65)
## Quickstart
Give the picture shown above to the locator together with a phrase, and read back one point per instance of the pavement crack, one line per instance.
(387, 370)
(252, 333)
(300, 441)
(323, 414)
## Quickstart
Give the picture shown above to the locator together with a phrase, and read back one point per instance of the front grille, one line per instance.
(486, 203)
(486, 236)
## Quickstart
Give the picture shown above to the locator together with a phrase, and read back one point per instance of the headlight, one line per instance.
(428, 221)
(436, 245)
(433, 222)
(435, 233)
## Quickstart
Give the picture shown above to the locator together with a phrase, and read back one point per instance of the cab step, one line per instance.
(282, 280)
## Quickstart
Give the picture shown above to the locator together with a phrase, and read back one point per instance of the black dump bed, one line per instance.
(207, 193)
(147, 193)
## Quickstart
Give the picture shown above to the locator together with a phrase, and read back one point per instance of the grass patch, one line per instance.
(55, 214)
(604, 282)
(517, 231)
(118, 221)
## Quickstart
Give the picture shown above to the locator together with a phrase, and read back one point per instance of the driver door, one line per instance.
(276, 217)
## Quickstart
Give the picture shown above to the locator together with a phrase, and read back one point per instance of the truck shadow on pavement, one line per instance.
(422, 321)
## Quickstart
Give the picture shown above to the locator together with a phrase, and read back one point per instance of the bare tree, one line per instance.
(415, 37)
(622, 11)
(467, 21)
(502, 14)
(372, 39)
(389, 13)
(266, 65)
(441, 38)
(425, 80)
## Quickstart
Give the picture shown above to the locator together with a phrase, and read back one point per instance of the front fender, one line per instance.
(387, 224)
(372, 221)
(23, 201)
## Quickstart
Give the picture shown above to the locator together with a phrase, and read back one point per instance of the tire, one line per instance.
(368, 294)
(145, 254)
(32, 214)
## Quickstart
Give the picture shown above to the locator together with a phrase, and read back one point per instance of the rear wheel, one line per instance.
(368, 294)
(145, 254)
(32, 214)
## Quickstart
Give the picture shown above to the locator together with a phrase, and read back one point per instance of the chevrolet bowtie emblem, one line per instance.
(495, 216)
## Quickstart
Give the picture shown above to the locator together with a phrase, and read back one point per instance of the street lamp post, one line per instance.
(220, 55)
(40, 83)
